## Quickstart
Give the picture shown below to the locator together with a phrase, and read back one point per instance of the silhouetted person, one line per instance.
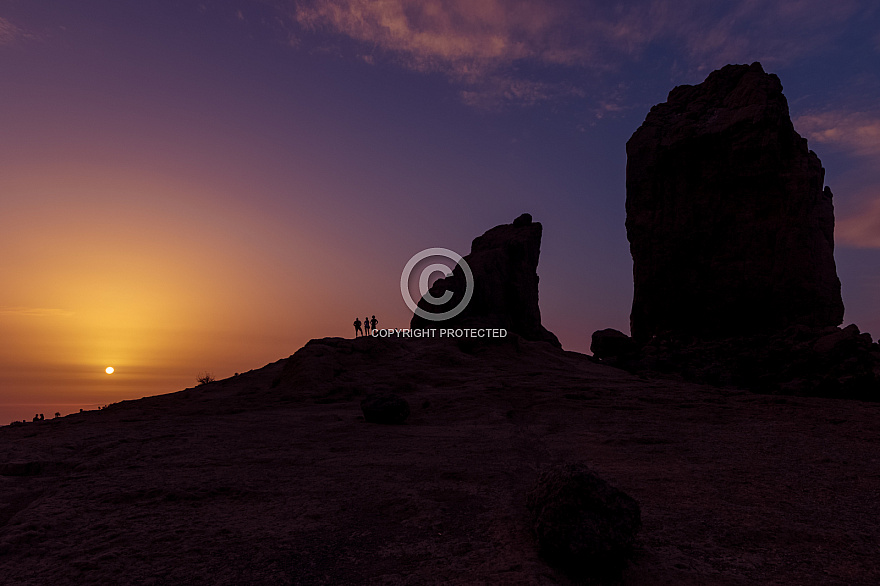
(36, 417)
(357, 327)
(41, 417)
(373, 323)
(366, 326)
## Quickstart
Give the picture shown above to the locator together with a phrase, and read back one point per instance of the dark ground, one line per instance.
(273, 477)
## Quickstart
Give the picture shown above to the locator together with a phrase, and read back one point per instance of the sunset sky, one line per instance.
(191, 187)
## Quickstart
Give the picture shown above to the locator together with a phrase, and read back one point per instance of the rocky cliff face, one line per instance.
(504, 262)
(730, 228)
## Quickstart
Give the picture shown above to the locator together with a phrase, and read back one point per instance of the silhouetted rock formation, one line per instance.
(385, 408)
(729, 226)
(583, 524)
(732, 238)
(504, 262)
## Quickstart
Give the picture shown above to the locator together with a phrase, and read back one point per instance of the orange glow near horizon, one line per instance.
(151, 277)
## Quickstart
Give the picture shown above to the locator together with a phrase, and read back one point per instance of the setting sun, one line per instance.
(109, 370)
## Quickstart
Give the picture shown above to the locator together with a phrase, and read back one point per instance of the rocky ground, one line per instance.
(810, 362)
(273, 476)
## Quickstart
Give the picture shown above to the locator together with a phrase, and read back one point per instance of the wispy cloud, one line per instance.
(862, 229)
(488, 45)
(475, 43)
(9, 33)
(35, 312)
(464, 38)
(496, 90)
(775, 33)
(854, 132)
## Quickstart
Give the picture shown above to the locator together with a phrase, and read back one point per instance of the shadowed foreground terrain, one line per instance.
(273, 477)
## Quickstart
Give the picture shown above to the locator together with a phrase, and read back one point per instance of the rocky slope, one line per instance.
(273, 476)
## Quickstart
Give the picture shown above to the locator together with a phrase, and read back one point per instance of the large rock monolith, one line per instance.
(730, 228)
(504, 264)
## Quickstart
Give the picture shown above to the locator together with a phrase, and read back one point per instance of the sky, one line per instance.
(191, 187)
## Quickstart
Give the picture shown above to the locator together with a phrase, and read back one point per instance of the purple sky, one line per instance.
(204, 186)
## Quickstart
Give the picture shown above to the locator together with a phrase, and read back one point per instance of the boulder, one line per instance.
(609, 343)
(387, 408)
(837, 338)
(583, 524)
(730, 226)
(504, 263)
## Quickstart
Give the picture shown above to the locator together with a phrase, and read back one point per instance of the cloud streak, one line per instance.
(9, 33)
(475, 43)
(854, 132)
(485, 45)
(35, 312)
(861, 230)
(775, 33)
(464, 38)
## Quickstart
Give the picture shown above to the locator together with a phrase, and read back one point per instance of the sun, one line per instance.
(109, 370)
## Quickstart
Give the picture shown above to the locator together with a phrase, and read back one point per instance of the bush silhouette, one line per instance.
(205, 378)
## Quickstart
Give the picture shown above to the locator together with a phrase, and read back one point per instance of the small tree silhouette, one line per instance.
(205, 378)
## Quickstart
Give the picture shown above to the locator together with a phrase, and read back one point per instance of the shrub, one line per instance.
(205, 378)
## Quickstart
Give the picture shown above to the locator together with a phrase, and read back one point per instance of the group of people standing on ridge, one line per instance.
(368, 325)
